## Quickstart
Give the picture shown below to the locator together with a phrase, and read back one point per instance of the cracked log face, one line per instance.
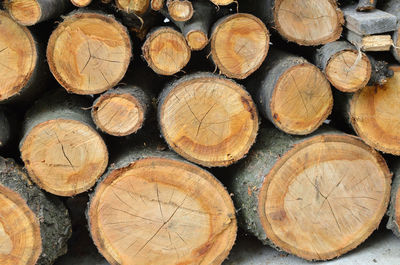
(328, 205)
(64, 157)
(25, 12)
(89, 53)
(180, 10)
(207, 119)
(308, 22)
(162, 211)
(18, 57)
(138, 7)
(239, 45)
(374, 114)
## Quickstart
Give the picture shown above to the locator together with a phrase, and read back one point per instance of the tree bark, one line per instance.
(393, 7)
(41, 221)
(61, 150)
(380, 72)
(366, 5)
(394, 207)
(5, 130)
(316, 197)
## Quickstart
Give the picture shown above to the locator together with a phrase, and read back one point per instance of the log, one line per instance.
(370, 43)
(292, 93)
(156, 5)
(121, 111)
(89, 53)
(380, 71)
(239, 44)
(346, 69)
(31, 12)
(23, 71)
(5, 130)
(153, 208)
(393, 7)
(224, 2)
(305, 22)
(166, 51)
(138, 7)
(180, 10)
(62, 152)
(316, 197)
(81, 3)
(394, 207)
(34, 227)
(366, 5)
(208, 119)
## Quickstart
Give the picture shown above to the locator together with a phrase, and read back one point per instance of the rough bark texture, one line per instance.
(393, 7)
(55, 225)
(5, 129)
(394, 207)
(366, 5)
(380, 72)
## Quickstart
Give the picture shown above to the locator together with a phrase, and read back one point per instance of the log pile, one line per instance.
(181, 120)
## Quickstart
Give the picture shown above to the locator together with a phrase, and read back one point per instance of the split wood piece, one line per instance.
(157, 5)
(5, 130)
(31, 12)
(138, 7)
(393, 7)
(292, 93)
(62, 152)
(166, 51)
(81, 3)
(121, 111)
(180, 10)
(34, 227)
(394, 208)
(22, 67)
(316, 197)
(366, 5)
(371, 43)
(89, 53)
(208, 119)
(346, 68)
(156, 209)
(239, 44)
(223, 2)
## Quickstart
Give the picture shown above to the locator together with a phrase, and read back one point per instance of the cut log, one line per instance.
(316, 197)
(34, 227)
(31, 12)
(371, 43)
(89, 53)
(81, 3)
(346, 69)
(62, 152)
(394, 208)
(138, 7)
(366, 5)
(180, 10)
(393, 7)
(223, 2)
(292, 93)
(239, 44)
(22, 68)
(5, 130)
(208, 119)
(157, 5)
(166, 51)
(121, 111)
(152, 208)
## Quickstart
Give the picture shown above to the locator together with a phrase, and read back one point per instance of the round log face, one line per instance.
(133, 6)
(308, 22)
(180, 10)
(309, 94)
(89, 53)
(197, 40)
(209, 120)
(222, 2)
(239, 45)
(64, 157)
(81, 3)
(375, 115)
(18, 56)
(347, 71)
(324, 197)
(162, 211)
(25, 12)
(19, 230)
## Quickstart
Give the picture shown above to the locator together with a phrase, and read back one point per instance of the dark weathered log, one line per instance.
(380, 71)
(61, 150)
(394, 208)
(5, 130)
(393, 7)
(316, 197)
(366, 5)
(34, 226)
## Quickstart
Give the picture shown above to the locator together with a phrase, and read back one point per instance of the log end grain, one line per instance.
(25, 12)
(223, 2)
(138, 7)
(18, 57)
(89, 53)
(81, 3)
(328, 205)
(310, 22)
(209, 120)
(157, 5)
(180, 10)
(239, 45)
(197, 40)
(64, 157)
(185, 215)
(166, 51)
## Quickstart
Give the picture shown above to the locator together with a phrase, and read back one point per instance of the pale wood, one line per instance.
(208, 119)
(180, 10)
(153, 209)
(371, 43)
(316, 197)
(239, 44)
(166, 51)
(223, 2)
(81, 3)
(157, 5)
(89, 53)
(133, 6)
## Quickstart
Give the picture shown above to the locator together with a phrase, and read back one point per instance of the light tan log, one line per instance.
(371, 43)
(89, 53)
(239, 44)
(157, 5)
(81, 3)
(138, 7)
(180, 10)
(223, 2)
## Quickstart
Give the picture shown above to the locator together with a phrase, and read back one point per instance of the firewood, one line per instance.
(394, 208)
(208, 119)
(292, 93)
(31, 12)
(121, 111)
(347, 69)
(62, 152)
(34, 227)
(81, 3)
(380, 72)
(153, 208)
(316, 197)
(366, 5)
(223, 2)
(393, 7)
(157, 5)
(180, 10)
(89, 53)
(239, 44)
(138, 7)
(370, 43)
(5, 130)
